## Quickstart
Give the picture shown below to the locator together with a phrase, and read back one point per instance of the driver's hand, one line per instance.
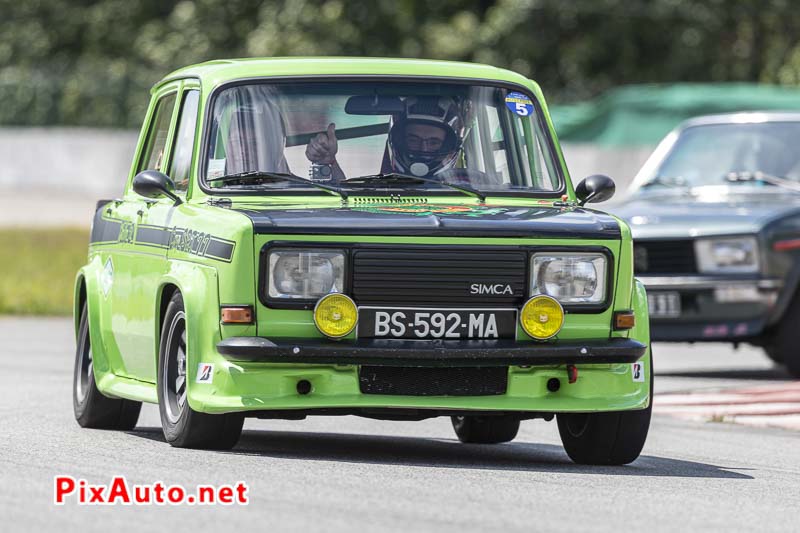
(323, 147)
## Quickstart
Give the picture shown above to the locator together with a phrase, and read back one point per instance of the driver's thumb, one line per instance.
(332, 132)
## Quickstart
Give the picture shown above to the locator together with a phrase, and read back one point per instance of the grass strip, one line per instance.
(38, 269)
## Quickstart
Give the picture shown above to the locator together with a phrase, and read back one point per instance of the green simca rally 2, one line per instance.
(394, 239)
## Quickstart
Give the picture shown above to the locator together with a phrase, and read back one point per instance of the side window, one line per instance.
(184, 141)
(155, 145)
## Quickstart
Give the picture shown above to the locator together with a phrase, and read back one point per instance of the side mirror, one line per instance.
(596, 188)
(155, 184)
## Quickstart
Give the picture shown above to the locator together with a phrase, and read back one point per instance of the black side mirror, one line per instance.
(596, 188)
(155, 184)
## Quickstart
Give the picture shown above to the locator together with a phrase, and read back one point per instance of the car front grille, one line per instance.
(664, 257)
(427, 277)
(411, 381)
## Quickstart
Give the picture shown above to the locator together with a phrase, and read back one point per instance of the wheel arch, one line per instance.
(641, 331)
(166, 291)
(85, 291)
(79, 299)
(199, 287)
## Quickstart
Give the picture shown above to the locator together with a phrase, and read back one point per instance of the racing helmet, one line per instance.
(440, 112)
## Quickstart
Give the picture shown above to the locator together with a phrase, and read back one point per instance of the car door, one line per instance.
(156, 230)
(140, 264)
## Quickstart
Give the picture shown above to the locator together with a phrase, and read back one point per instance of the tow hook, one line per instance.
(572, 373)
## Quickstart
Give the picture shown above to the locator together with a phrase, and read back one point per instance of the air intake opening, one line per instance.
(459, 381)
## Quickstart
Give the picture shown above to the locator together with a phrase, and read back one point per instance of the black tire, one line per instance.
(184, 427)
(782, 347)
(773, 354)
(615, 438)
(485, 429)
(92, 409)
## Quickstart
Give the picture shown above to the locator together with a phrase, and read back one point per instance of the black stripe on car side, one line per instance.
(114, 231)
(220, 249)
(105, 230)
(157, 236)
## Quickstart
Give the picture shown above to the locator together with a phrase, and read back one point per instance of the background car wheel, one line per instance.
(183, 427)
(485, 429)
(93, 409)
(773, 354)
(606, 438)
(783, 348)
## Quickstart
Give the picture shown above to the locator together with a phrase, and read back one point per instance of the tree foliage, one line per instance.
(92, 62)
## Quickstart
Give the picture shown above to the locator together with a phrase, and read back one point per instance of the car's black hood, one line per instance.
(424, 219)
(721, 211)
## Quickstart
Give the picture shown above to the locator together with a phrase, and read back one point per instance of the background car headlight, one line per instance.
(305, 274)
(570, 278)
(735, 254)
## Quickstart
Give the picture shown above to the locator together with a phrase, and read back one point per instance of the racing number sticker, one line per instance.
(637, 371)
(205, 373)
(519, 104)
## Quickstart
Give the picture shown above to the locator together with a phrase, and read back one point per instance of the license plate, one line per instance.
(664, 304)
(411, 323)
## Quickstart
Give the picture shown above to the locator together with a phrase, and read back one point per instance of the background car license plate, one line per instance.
(410, 323)
(664, 304)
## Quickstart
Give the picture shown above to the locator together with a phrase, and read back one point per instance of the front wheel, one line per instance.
(485, 429)
(184, 427)
(92, 409)
(615, 438)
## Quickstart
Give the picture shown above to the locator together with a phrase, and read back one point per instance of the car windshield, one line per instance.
(719, 153)
(378, 135)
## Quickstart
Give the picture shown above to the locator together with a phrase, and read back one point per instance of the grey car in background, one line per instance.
(715, 216)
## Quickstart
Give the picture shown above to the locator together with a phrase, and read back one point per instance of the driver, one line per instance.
(425, 140)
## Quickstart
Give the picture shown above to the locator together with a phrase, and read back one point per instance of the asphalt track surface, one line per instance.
(345, 473)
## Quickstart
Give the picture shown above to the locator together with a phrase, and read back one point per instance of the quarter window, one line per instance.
(184, 141)
(153, 154)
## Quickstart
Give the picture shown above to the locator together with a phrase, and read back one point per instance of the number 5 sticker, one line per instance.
(519, 104)
(637, 371)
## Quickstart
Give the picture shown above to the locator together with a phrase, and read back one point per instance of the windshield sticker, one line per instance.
(216, 168)
(519, 104)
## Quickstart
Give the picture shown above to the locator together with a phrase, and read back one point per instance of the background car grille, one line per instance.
(436, 277)
(664, 257)
(466, 381)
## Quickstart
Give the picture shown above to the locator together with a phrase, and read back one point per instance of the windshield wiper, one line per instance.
(743, 177)
(276, 176)
(396, 178)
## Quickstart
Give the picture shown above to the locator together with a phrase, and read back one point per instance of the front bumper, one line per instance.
(712, 308)
(258, 375)
(429, 353)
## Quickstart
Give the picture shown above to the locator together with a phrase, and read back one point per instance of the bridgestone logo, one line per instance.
(495, 290)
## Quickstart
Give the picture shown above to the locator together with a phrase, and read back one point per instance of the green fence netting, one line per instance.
(643, 114)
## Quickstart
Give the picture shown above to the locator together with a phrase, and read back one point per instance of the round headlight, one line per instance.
(541, 317)
(335, 315)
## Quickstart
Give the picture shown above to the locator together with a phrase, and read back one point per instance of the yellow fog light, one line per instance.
(335, 315)
(541, 317)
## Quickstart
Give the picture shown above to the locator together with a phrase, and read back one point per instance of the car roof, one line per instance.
(744, 117)
(214, 73)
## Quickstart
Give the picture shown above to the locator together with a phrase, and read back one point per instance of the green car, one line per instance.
(395, 239)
